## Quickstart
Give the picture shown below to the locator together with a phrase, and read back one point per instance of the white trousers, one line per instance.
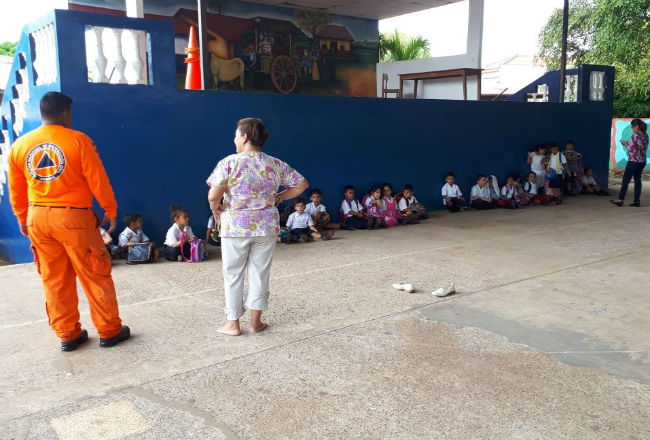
(256, 254)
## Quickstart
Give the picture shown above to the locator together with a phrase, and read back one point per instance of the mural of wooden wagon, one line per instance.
(273, 52)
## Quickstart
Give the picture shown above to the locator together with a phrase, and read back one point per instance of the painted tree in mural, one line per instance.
(400, 47)
(311, 21)
(218, 6)
(609, 32)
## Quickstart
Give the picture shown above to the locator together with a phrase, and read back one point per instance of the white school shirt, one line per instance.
(312, 209)
(483, 193)
(404, 204)
(127, 235)
(212, 223)
(174, 234)
(530, 187)
(369, 201)
(450, 191)
(588, 180)
(350, 205)
(299, 221)
(553, 162)
(537, 162)
(509, 192)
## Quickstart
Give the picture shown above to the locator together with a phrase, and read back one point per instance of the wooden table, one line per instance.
(439, 74)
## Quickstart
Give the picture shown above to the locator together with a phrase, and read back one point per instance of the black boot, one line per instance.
(121, 336)
(72, 345)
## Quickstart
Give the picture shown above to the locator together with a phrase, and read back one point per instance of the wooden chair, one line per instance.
(385, 90)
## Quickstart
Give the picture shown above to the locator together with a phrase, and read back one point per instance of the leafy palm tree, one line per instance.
(400, 47)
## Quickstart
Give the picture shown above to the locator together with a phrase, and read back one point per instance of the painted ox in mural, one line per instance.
(227, 70)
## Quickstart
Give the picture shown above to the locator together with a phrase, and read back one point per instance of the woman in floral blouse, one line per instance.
(249, 181)
(637, 149)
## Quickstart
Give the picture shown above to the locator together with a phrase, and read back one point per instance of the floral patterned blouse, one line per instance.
(638, 147)
(251, 181)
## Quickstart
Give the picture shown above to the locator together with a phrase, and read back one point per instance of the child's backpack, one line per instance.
(198, 251)
(139, 253)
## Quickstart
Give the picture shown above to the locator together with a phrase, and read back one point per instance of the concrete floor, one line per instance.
(547, 338)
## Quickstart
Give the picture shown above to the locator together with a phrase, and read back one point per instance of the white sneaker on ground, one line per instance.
(444, 291)
(406, 287)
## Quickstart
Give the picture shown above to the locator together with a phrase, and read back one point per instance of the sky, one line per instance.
(510, 27)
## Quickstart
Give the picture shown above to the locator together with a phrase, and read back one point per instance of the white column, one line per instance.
(475, 32)
(135, 8)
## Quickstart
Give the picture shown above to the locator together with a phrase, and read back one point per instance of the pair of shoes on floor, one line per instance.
(306, 238)
(326, 235)
(123, 335)
(289, 239)
(440, 292)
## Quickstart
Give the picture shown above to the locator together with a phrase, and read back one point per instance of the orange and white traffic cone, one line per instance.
(193, 61)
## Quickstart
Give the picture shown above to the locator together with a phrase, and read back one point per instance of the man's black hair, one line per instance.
(53, 104)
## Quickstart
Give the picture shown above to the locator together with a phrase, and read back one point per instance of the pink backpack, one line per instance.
(198, 252)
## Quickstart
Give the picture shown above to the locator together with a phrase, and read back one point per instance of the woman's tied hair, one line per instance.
(254, 129)
(639, 123)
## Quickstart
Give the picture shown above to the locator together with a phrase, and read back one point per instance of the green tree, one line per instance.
(7, 48)
(609, 32)
(400, 47)
(311, 22)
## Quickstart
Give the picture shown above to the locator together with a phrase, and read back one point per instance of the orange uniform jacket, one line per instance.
(56, 166)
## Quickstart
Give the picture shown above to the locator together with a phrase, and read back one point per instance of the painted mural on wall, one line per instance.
(621, 131)
(255, 47)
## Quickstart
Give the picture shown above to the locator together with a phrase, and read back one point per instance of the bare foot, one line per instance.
(258, 328)
(229, 330)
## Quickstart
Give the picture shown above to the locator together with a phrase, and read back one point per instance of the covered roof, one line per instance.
(376, 9)
(334, 32)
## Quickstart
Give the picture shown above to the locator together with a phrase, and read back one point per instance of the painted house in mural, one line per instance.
(257, 47)
(335, 39)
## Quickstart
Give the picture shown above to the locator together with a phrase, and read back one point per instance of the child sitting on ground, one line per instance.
(452, 197)
(133, 235)
(301, 225)
(509, 192)
(389, 207)
(589, 185)
(480, 194)
(172, 249)
(212, 232)
(352, 213)
(409, 205)
(533, 192)
(495, 194)
(113, 249)
(318, 212)
(373, 205)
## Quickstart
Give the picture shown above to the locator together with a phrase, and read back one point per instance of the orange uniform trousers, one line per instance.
(67, 244)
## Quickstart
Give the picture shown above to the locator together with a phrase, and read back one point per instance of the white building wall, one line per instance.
(451, 88)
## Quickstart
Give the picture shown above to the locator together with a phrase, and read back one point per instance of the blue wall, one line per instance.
(159, 144)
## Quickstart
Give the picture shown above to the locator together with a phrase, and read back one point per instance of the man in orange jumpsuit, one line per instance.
(54, 172)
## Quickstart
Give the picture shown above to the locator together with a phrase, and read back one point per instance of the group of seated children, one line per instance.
(562, 172)
(133, 244)
(379, 208)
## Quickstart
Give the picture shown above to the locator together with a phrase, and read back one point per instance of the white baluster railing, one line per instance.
(21, 96)
(116, 56)
(571, 88)
(131, 44)
(4, 160)
(95, 59)
(597, 86)
(44, 55)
